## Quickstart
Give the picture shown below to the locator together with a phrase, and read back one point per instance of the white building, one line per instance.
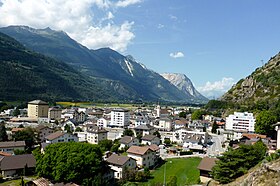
(144, 156)
(241, 121)
(120, 118)
(95, 134)
(103, 122)
(60, 136)
(119, 162)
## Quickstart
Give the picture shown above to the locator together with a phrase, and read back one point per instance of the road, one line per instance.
(216, 148)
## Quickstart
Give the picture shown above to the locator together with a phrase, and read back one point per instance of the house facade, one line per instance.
(150, 139)
(128, 141)
(144, 156)
(11, 146)
(95, 134)
(60, 136)
(119, 162)
(38, 109)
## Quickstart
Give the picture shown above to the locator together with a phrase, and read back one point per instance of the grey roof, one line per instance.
(96, 129)
(120, 110)
(17, 162)
(38, 102)
(126, 139)
(207, 163)
(12, 144)
(149, 137)
(55, 135)
(117, 159)
(144, 127)
(194, 138)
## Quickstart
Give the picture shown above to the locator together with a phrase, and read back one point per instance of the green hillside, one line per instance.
(261, 89)
(25, 75)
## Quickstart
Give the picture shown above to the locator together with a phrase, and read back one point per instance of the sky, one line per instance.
(214, 43)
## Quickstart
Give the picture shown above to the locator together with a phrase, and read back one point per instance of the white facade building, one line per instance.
(120, 118)
(241, 121)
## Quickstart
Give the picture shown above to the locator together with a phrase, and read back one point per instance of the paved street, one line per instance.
(216, 148)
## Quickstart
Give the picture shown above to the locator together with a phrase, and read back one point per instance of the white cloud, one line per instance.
(176, 55)
(75, 17)
(172, 17)
(160, 26)
(125, 3)
(217, 88)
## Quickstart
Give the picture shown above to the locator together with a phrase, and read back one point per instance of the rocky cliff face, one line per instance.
(183, 83)
(262, 85)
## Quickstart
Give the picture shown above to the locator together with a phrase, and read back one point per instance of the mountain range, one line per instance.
(105, 71)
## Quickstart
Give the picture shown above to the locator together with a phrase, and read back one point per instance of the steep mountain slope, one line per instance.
(183, 83)
(120, 73)
(25, 75)
(263, 85)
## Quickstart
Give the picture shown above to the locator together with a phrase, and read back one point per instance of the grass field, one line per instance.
(183, 168)
(91, 104)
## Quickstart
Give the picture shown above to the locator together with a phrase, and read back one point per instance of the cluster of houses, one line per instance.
(92, 125)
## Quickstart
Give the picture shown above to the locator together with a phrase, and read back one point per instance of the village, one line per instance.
(142, 136)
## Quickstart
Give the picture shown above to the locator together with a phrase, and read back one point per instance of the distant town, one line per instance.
(137, 140)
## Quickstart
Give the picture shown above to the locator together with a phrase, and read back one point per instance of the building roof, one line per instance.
(16, 129)
(12, 144)
(117, 159)
(38, 102)
(96, 129)
(144, 127)
(55, 135)
(154, 147)
(126, 139)
(4, 154)
(250, 135)
(41, 182)
(40, 127)
(149, 137)
(17, 162)
(207, 164)
(140, 150)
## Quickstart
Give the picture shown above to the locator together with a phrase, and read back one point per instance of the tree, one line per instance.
(156, 133)
(128, 132)
(167, 141)
(214, 127)
(264, 121)
(68, 129)
(3, 133)
(78, 129)
(197, 114)
(16, 112)
(105, 145)
(26, 135)
(182, 114)
(235, 163)
(67, 162)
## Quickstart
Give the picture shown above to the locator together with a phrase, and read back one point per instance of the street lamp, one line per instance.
(164, 175)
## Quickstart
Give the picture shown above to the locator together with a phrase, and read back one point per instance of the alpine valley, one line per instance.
(103, 74)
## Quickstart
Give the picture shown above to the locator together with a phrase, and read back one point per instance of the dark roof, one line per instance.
(17, 162)
(38, 102)
(55, 135)
(12, 144)
(148, 137)
(126, 139)
(40, 127)
(207, 164)
(144, 127)
(117, 159)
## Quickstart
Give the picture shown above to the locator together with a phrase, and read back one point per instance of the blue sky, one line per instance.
(215, 43)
